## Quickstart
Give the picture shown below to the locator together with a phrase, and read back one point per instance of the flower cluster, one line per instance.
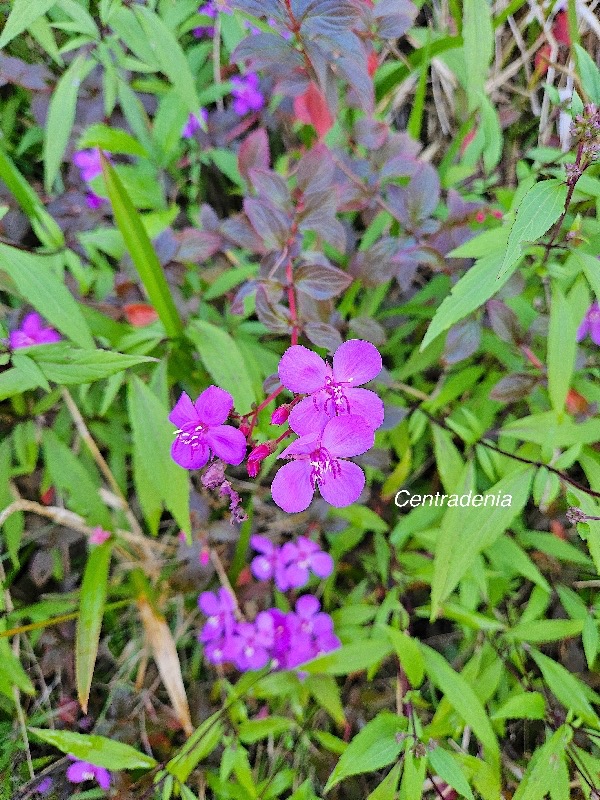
(290, 564)
(335, 420)
(246, 94)
(90, 166)
(284, 640)
(32, 331)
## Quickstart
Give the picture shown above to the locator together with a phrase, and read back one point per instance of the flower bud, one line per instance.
(281, 414)
(257, 456)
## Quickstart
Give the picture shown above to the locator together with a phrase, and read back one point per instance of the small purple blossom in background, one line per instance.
(311, 632)
(201, 430)
(195, 123)
(332, 390)
(208, 10)
(100, 536)
(81, 771)
(591, 324)
(246, 94)
(32, 331)
(290, 566)
(252, 642)
(217, 632)
(319, 460)
(303, 557)
(44, 786)
(93, 200)
(89, 163)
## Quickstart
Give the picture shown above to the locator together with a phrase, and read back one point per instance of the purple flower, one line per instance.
(201, 430)
(217, 632)
(246, 94)
(81, 771)
(89, 163)
(208, 10)
(269, 564)
(32, 332)
(44, 786)
(302, 557)
(93, 200)
(252, 642)
(311, 632)
(318, 460)
(195, 123)
(332, 390)
(590, 324)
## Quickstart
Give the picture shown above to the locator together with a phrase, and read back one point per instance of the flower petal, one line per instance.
(32, 324)
(347, 436)
(345, 487)
(261, 544)
(322, 565)
(183, 412)
(213, 406)
(301, 370)
(302, 446)
(261, 568)
(227, 443)
(307, 606)
(356, 362)
(307, 417)
(595, 330)
(291, 488)
(209, 603)
(187, 456)
(583, 329)
(103, 777)
(79, 771)
(366, 404)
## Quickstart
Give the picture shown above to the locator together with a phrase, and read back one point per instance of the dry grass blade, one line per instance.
(165, 655)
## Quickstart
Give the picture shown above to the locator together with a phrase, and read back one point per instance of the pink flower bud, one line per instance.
(245, 428)
(99, 536)
(480, 216)
(280, 415)
(497, 214)
(257, 456)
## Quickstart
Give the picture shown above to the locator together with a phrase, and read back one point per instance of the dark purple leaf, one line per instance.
(371, 133)
(35, 77)
(267, 50)
(260, 8)
(274, 316)
(394, 17)
(322, 16)
(239, 231)
(414, 203)
(197, 246)
(254, 152)
(461, 342)
(271, 186)
(504, 322)
(315, 171)
(322, 334)
(376, 264)
(367, 328)
(269, 222)
(321, 281)
(209, 220)
(514, 387)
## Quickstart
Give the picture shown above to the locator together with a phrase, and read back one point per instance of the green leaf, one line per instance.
(463, 699)
(545, 429)
(525, 705)
(446, 766)
(476, 286)
(141, 251)
(61, 116)
(409, 655)
(92, 599)
(69, 475)
(350, 658)
(11, 671)
(14, 381)
(388, 788)
(44, 226)
(478, 38)
(326, 692)
(538, 211)
(589, 73)
(562, 349)
(170, 56)
(547, 630)
(152, 439)
(22, 14)
(253, 730)
(591, 639)
(66, 365)
(36, 281)
(97, 750)
(463, 536)
(543, 768)
(200, 744)
(113, 140)
(229, 373)
(374, 747)
(566, 688)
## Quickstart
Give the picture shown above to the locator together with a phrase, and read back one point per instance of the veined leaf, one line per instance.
(22, 14)
(544, 767)
(447, 767)
(97, 750)
(478, 48)
(92, 598)
(566, 688)
(61, 116)
(141, 251)
(38, 284)
(374, 747)
(538, 211)
(562, 348)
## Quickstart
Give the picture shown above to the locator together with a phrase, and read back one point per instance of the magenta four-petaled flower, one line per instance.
(246, 94)
(32, 331)
(290, 566)
(201, 430)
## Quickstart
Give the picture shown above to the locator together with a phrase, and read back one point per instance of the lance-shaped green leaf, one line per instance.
(61, 116)
(22, 14)
(97, 750)
(567, 689)
(92, 599)
(141, 251)
(537, 212)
